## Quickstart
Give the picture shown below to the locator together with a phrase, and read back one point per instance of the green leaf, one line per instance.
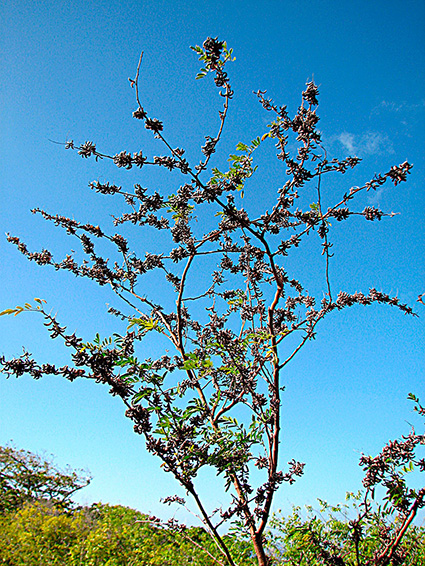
(242, 147)
(147, 324)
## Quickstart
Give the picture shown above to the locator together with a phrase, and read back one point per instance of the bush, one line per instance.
(39, 534)
(25, 476)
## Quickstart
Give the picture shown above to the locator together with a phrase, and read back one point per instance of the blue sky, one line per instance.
(65, 69)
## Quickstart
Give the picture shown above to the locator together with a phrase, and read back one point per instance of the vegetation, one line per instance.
(215, 401)
(27, 477)
(327, 536)
(36, 530)
(38, 534)
(37, 527)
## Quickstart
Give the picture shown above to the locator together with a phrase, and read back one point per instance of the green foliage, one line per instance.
(40, 526)
(330, 535)
(25, 476)
(241, 167)
(41, 535)
(145, 324)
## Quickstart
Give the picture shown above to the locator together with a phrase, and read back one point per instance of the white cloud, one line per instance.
(409, 115)
(375, 197)
(369, 143)
(402, 107)
(347, 140)
(373, 142)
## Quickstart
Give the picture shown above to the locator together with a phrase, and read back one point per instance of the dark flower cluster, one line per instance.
(267, 488)
(397, 174)
(395, 454)
(388, 469)
(177, 254)
(169, 162)
(104, 188)
(209, 148)
(339, 213)
(86, 150)
(372, 213)
(296, 469)
(139, 114)
(173, 499)
(121, 242)
(213, 49)
(141, 418)
(311, 93)
(346, 300)
(123, 159)
(154, 124)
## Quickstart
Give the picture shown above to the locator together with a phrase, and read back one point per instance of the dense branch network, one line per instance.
(229, 339)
